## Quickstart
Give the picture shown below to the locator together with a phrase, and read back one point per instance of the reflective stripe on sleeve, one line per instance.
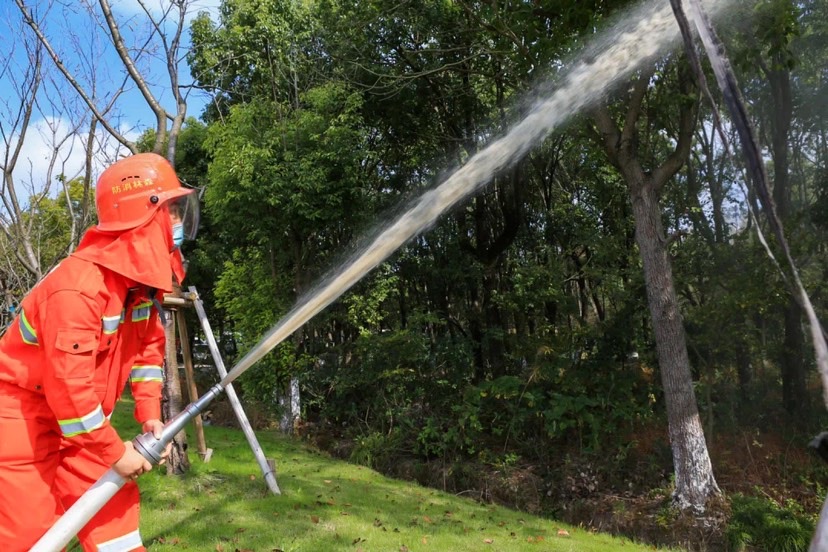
(146, 373)
(110, 324)
(141, 311)
(124, 543)
(85, 424)
(27, 332)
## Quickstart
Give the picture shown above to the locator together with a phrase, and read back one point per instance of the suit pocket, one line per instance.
(77, 342)
(78, 348)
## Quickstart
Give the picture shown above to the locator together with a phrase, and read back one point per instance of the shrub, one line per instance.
(761, 524)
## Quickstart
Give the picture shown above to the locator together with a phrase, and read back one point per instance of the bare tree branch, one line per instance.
(35, 26)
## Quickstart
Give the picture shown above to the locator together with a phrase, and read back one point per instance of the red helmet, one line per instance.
(131, 190)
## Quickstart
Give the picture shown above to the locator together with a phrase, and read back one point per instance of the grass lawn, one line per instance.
(326, 505)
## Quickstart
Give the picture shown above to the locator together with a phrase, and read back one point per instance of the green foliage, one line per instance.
(379, 450)
(48, 228)
(296, 178)
(368, 310)
(58, 222)
(246, 293)
(759, 523)
(271, 40)
(518, 324)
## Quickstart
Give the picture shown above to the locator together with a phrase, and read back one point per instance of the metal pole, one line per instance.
(819, 542)
(105, 488)
(267, 469)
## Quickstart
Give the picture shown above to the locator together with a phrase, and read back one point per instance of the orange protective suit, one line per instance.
(85, 330)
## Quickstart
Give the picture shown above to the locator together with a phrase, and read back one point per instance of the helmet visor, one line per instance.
(185, 209)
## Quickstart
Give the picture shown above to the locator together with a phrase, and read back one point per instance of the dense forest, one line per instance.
(607, 333)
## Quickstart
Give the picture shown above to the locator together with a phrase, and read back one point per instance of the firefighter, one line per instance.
(89, 327)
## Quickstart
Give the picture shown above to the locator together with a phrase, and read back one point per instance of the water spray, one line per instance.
(641, 36)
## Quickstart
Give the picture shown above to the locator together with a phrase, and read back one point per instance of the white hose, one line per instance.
(80, 513)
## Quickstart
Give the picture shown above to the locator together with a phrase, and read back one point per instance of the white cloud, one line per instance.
(52, 139)
(50, 131)
(157, 7)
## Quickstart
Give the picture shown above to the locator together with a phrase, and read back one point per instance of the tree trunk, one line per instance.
(291, 403)
(794, 393)
(178, 462)
(791, 361)
(693, 469)
(691, 462)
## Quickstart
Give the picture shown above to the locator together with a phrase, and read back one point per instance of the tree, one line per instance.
(28, 186)
(694, 472)
(777, 26)
(164, 32)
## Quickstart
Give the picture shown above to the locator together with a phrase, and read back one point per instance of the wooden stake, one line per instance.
(192, 388)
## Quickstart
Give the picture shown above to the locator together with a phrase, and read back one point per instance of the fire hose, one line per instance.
(105, 488)
(151, 448)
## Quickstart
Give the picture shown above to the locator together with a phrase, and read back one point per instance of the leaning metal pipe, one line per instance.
(105, 488)
(267, 470)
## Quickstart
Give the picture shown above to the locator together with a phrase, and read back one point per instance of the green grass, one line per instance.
(326, 505)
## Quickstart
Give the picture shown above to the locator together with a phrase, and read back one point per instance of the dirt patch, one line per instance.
(652, 520)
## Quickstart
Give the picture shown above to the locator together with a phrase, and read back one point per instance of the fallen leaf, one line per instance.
(425, 540)
(241, 529)
(252, 478)
(315, 519)
(427, 519)
(403, 548)
(488, 541)
(328, 481)
(563, 533)
(219, 548)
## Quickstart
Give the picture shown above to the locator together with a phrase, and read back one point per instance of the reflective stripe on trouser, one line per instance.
(118, 519)
(124, 543)
(39, 471)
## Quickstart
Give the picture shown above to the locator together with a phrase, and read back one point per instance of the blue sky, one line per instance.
(84, 47)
